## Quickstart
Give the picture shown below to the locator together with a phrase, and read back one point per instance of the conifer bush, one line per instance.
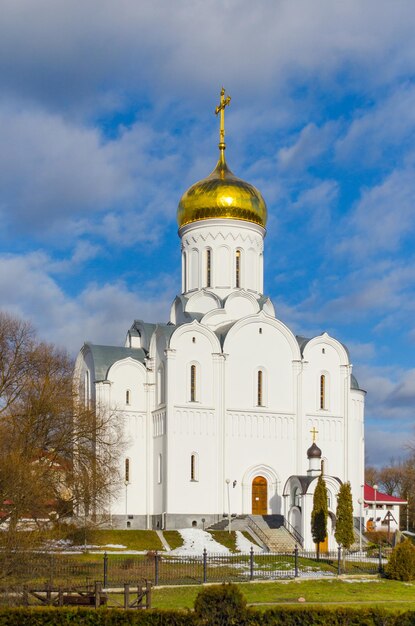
(401, 564)
(221, 606)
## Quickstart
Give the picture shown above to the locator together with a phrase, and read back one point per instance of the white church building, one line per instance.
(219, 402)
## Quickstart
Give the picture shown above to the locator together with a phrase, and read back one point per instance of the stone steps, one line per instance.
(278, 539)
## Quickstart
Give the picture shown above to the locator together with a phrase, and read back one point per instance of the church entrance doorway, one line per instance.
(259, 496)
(324, 545)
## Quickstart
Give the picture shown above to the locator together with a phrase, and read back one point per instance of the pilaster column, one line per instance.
(219, 386)
(345, 372)
(170, 384)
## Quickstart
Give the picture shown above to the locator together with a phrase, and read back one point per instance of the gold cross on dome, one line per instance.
(314, 432)
(224, 102)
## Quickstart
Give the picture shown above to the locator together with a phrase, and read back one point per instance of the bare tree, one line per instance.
(371, 475)
(56, 454)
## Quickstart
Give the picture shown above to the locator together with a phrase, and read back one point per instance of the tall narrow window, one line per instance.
(193, 383)
(208, 268)
(238, 268)
(260, 388)
(127, 471)
(193, 467)
(160, 469)
(322, 392)
(86, 389)
(128, 397)
(184, 271)
(160, 384)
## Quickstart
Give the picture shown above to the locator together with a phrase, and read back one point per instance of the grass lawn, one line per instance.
(249, 537)
(173, 538)
(131, 539)
(226, 538)
(371, 592)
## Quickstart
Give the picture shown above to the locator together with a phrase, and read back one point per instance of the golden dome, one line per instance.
(222, 195)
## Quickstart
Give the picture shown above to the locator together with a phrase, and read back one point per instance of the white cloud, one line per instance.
(99, 313)
(309, 145)
(383, 218)
(383, 445)
(60, 180)
(65, 52)
(379, 128)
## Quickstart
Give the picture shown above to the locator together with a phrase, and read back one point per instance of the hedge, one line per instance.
(281, 616)
(313, 616)
(46, 616)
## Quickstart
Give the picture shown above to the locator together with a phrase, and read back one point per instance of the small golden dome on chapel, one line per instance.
(222, 195)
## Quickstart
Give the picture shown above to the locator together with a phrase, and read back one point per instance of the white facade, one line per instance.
(224, 390)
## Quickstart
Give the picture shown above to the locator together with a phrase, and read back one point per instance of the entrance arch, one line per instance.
(259, 496)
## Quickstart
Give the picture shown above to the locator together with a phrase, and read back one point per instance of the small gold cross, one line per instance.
(314, 432)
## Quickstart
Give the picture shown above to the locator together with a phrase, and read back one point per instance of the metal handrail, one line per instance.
(258, 531)
(265, 538)
(297, 536)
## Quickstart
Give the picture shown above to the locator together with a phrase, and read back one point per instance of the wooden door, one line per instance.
(324, 545)
(259, 496)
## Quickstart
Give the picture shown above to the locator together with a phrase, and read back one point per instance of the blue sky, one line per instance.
(106, 117)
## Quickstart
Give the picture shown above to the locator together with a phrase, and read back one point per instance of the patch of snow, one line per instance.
(361, 580)
(115, 546)
(196, 540)
(244, 545)
(121, 552)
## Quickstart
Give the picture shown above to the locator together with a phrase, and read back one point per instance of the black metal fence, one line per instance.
(167, 569)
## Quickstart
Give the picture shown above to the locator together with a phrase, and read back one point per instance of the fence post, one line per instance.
(156, 569)
(251, 563)
(25, 596)
(105, 570)
(48, 593)
(380, 559)
(296, 561)
(339, 557)
(97, 594)
(148, 595)
(51, 564)
(126, 595)
(204, 565)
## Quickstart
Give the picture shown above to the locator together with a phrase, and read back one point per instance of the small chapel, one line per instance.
(226, 412)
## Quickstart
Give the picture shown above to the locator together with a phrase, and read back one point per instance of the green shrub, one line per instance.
(281, 616)
(314, 616)
(401, 564)
(220, 606)
(90, 617)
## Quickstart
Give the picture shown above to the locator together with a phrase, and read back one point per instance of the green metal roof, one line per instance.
(353, 382)
(105, 356)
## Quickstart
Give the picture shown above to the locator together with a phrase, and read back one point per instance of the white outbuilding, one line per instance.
(219, 402)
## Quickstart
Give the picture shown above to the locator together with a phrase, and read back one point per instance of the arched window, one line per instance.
(87, 389)
(296, 497)
(184, 271)
(193, 383)
(160, 385)
(238, 268)
(127, 471)
(208, 268)
(260, 388)
(194, 469)
(128, 397)
(322, 391)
